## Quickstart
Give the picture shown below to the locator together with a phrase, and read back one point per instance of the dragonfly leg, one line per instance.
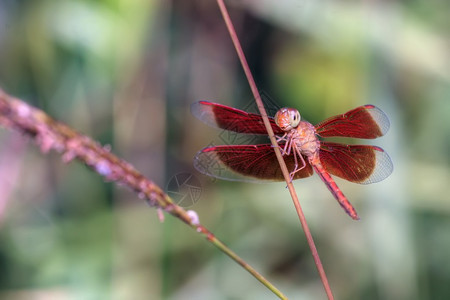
(281, 138)
(288, 147)
(285, 150)
(296, 169)
(291, 175)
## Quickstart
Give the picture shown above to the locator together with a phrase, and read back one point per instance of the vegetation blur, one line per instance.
(125, 73)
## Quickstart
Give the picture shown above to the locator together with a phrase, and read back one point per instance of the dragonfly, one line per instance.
(301, 145)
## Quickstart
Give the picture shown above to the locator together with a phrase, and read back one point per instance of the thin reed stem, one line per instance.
(284, 169)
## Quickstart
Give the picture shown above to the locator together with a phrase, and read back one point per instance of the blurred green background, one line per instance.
(125, 73)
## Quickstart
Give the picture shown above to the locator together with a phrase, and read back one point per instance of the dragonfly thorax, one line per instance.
(305, 139)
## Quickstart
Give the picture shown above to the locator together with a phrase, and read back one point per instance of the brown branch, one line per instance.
(53, 135)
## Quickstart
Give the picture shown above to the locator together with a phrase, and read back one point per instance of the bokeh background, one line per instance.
(125, 73)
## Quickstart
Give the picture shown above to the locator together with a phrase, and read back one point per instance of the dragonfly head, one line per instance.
(287, 118)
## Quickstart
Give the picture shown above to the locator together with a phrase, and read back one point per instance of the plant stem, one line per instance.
(284, 169)
(50, 134)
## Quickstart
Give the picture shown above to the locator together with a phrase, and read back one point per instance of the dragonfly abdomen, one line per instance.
(334, 189)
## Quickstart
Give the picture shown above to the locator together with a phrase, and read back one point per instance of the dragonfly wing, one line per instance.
(245, 163)
(228, 118)
(362, 164)
(365, 122)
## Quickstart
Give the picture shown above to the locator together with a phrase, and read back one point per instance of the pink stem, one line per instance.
(284, 169)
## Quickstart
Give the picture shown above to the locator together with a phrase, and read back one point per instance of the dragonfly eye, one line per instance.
(287, 118)
(294, 117)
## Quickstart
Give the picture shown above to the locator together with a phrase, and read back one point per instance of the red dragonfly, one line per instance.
(303, 151)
